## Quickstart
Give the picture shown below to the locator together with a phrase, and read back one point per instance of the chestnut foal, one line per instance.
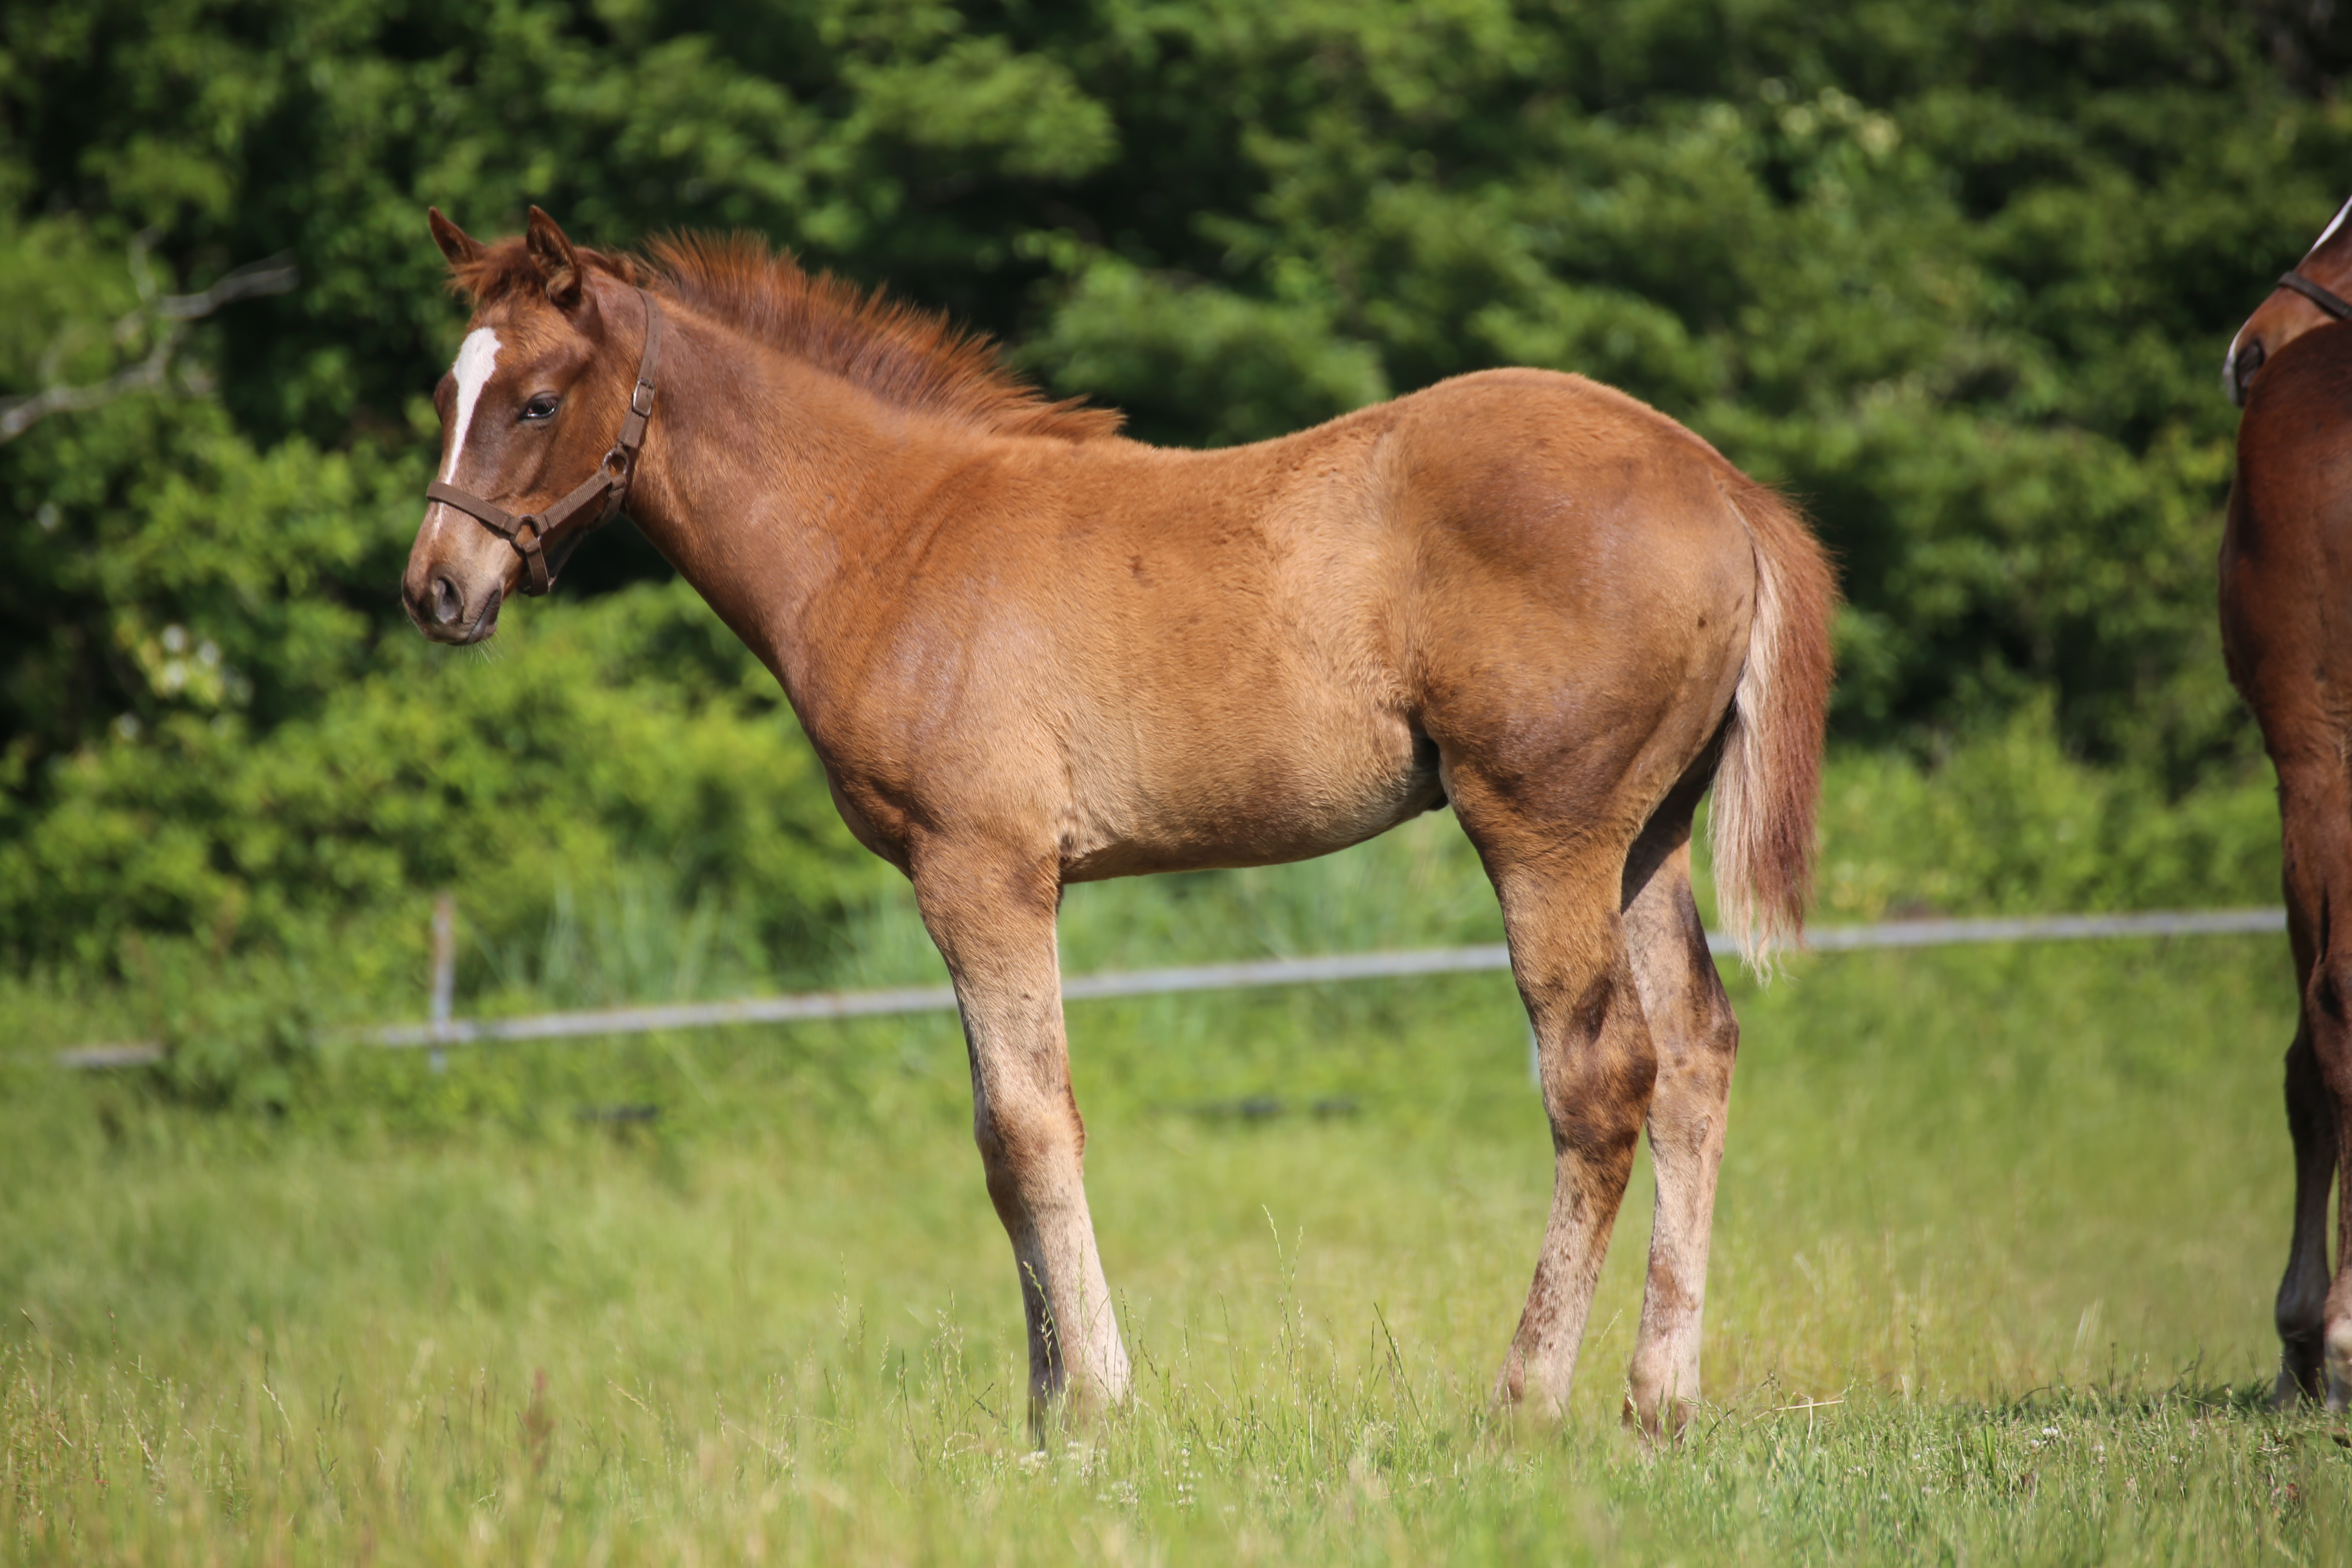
(1030, 652)
(2286, 592)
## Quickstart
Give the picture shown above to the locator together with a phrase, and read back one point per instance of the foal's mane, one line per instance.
(902, 353)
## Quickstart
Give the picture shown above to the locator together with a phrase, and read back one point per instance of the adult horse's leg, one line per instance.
(1697, 1038)
(2315, 1324)
(1559, 889)
(991, 913)
(2302, 1292)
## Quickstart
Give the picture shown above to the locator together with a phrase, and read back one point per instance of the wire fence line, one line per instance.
(442, 1030)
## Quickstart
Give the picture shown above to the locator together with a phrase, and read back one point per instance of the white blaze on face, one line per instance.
(478, 356)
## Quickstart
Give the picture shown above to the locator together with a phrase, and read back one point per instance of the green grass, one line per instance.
(1991, 1282)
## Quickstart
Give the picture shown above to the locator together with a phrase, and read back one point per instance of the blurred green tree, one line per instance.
(1958, 275)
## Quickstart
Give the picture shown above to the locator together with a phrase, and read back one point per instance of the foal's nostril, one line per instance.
(446, 602)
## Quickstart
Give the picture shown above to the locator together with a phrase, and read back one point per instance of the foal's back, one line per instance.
(1266, 646)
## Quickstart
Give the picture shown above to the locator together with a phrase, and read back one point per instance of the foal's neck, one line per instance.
(781, 493)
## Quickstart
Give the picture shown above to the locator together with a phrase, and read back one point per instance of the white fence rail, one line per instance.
(443, 1030)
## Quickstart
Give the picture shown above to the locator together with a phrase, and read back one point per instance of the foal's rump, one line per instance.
(1596, 572)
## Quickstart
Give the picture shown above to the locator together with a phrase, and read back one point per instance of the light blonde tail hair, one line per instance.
(1768, 785)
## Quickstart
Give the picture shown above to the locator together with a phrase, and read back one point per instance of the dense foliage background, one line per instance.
(1958, 275)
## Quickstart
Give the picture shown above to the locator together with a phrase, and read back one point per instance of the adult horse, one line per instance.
(1030, 652)
(2286, 629)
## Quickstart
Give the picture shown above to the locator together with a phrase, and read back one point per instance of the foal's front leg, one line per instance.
(991, 913)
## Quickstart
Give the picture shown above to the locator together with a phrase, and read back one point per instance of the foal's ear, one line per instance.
(556, 262)
(455, 243)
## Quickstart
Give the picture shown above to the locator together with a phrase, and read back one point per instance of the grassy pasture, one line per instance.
(1991, 1280)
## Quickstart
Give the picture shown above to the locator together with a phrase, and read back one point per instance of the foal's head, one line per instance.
(528, 411)
(2290, 312)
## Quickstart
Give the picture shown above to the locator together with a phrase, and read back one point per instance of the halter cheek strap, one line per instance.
(2325, 299)
(545, 539)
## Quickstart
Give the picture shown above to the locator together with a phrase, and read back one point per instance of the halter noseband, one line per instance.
(607, 489)
(2328, 299)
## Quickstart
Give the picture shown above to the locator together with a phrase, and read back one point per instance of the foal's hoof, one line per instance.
(1073, 1414)
(1515, 1406)
(1662, 1423)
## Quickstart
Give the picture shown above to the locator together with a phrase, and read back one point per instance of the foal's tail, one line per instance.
(1768, 786)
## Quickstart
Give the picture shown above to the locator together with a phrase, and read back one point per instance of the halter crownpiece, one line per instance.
(533, 533)
(2327, 299)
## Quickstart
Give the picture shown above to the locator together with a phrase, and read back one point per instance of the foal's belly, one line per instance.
(1288, 788)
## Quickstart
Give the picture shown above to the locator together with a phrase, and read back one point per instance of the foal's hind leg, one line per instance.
(1695, 1037)
(1568, 952)
(991, 912)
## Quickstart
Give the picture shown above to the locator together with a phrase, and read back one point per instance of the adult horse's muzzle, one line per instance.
(2267, 330)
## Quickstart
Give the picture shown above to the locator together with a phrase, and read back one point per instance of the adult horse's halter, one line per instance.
(2328, 299)
(607, 489)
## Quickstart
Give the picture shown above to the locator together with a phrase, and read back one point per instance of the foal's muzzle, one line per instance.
(442, 609)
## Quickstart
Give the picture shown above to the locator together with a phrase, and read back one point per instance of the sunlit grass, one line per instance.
(1992, 1283)
(1991, 1278)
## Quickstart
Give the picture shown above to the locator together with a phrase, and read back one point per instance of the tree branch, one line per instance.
(166, 316)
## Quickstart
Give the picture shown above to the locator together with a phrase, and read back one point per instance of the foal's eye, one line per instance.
(541, 406)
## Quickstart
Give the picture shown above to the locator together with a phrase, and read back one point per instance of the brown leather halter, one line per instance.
(2328, 299)
(533, 533)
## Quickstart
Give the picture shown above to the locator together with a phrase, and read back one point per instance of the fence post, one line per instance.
(445, 974)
